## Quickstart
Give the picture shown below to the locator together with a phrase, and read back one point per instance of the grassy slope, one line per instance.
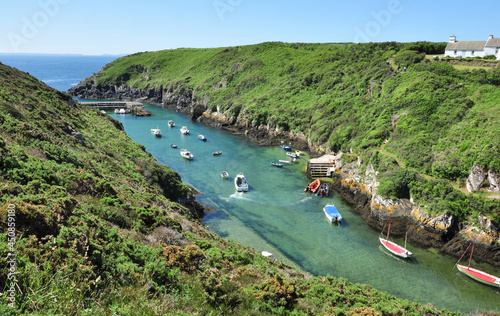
(98, 230)
(346, 96)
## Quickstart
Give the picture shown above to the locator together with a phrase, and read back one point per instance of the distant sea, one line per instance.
(61, 72)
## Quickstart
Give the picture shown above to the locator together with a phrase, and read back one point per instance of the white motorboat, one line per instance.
(184, 130)
(171, 123)
(240, 182)
(156, 131)
(186, 154)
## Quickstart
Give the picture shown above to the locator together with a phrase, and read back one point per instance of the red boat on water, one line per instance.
(477, 275)
(313, 186)
(393, 247)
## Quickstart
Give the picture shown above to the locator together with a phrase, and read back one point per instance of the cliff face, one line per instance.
(443, 232)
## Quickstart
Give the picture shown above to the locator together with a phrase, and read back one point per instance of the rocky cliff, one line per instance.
(443, 232)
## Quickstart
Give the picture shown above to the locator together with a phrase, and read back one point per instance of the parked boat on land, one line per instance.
(332, 213)
(224, 175)
(476, 274)
(184, 130)
(171, 123)
(313, 186)
(324, 190)
(201, 137)
(277, 164)
(186, 154)
(392, 246)
(240, 182)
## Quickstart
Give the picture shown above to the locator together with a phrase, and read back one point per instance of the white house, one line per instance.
(472, 48)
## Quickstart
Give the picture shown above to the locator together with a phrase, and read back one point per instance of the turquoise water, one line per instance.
(277, 216)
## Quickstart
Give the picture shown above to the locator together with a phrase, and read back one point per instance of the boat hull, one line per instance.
(480, 276)
(240, 183)
(332, 213)
(395, 249)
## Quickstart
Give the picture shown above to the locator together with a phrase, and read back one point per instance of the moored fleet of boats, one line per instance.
(330, 210)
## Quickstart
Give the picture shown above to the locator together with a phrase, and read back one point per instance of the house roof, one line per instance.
(466, 45)
(493, 42)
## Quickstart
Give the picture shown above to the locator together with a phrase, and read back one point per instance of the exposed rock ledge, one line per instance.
(442, 232)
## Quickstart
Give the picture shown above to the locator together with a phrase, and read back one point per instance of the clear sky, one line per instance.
(95, 27)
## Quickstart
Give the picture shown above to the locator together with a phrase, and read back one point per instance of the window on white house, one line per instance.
(472, 53)
(455, 52)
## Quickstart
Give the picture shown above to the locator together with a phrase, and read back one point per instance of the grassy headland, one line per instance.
(99, 229)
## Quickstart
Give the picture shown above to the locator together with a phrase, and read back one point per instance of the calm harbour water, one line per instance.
(276, 215)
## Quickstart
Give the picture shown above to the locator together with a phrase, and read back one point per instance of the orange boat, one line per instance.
(313, 186)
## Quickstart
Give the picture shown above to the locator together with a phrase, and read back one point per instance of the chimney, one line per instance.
(453, 39)
(491, 37)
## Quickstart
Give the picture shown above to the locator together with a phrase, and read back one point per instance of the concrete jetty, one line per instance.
(135, 108)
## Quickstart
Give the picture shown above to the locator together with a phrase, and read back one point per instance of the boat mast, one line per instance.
(471, 252)
(406, 237)
(388, 229)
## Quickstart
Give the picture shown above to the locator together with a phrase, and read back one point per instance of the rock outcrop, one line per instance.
(475, 179)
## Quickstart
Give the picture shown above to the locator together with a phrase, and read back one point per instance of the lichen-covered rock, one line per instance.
(494, 180)
(476, 178)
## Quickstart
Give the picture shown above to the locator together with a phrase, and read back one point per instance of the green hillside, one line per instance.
(437, 121)
(98, 227)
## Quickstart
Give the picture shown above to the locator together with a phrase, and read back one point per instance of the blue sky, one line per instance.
(125, 26)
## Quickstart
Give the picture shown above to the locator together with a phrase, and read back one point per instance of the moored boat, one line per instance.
(201, 137)
(156, 131)
(184, 130)
(217, 153)
(292, 155)
(285, 147)
(324, 190)
(313, 186)
(284, 161)
(171, 123)
(476, 274)
(173, 145)
(394, 248)
(240, 182)
(186, 154)
(224, 175)
(277, 164)
(332, 213)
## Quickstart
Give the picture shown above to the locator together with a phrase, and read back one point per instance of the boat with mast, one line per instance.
(476, 274)
(394, 248)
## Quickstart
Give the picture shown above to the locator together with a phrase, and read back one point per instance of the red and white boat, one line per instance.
(394, 248)
(476, 274)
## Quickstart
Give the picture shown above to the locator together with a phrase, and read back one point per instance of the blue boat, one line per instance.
(332, 213)
(201, 137)
(286, 147)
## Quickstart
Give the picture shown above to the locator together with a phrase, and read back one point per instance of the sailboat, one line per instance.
(393, 247)
(475, 274)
